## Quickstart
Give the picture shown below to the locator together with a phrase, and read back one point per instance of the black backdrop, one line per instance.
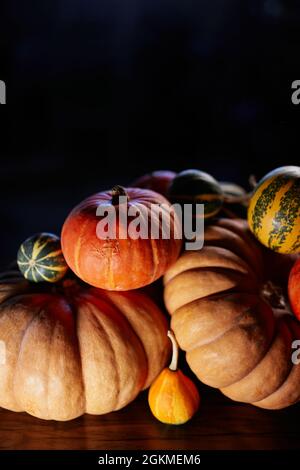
(100, 91)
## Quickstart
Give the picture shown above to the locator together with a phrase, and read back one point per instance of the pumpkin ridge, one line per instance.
(155, 259)
(96, 303)
(50, 342)
(232, 240)
(111, 347)
(97, 322)
(29, 325)
(78, 246)
(293, 371)
(131, 326)
(110, 273)
(159, 392)
(78, 352)
(238, 264)
(178, 401)
(188, 387)
(245, 331)
(233, 277)
(254, 370)
(211, 269)
(236, 323)
(124, 313)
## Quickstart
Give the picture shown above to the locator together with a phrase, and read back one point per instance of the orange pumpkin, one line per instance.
(120, 262)
(173, 397)
(71, 349)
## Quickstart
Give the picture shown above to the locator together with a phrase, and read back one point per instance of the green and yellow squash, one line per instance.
(274, 210)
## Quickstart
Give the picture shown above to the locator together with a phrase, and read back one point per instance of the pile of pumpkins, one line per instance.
(81, 332)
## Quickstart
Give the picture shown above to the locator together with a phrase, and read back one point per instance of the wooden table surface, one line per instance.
(219, 424)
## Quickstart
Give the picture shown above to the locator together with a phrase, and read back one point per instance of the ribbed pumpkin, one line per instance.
(120, 263)
(40, 258)
(274, 211)
(72, 349)
(233, 338)
(197, 187)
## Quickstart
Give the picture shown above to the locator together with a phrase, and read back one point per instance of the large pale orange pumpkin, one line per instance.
(119, 263)
(233, 338)
(72, 349)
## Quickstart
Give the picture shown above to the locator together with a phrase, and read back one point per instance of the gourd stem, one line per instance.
(116, 192)
(245, 198)
(174, 362)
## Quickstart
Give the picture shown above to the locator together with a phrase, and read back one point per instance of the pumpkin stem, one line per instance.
(174, 362)
(116, 192)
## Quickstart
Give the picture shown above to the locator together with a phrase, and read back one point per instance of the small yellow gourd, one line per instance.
(173, 397)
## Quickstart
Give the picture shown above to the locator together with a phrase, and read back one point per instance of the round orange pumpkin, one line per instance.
(120, 262)
(233, 338)
(73, 349)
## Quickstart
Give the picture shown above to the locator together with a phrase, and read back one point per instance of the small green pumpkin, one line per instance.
(40, 258)
(197, 187)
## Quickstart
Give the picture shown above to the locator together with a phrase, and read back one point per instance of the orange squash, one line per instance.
(173, 397)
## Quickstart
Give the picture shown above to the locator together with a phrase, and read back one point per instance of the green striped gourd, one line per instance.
(197, 187)
(40, 258)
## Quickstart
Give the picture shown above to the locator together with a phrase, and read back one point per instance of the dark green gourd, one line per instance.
(40, 258)
(197, 187)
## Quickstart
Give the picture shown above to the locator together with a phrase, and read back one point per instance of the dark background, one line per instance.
(100, 91)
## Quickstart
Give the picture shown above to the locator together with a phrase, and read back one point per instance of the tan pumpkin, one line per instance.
(72, 349)
(233, 338)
